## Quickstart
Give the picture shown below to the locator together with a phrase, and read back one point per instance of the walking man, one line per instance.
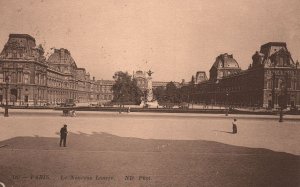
(234, 126)
(63, 135)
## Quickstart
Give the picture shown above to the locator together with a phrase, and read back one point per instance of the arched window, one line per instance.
(26, 78)
(1, 77)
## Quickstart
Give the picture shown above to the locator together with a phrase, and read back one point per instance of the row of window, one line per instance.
(20, 77)
(280, 83)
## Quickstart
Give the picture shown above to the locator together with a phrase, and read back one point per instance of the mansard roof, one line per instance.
(27, 36)
(225, 61)
(269, 44)
(22, 47)
(61, 56)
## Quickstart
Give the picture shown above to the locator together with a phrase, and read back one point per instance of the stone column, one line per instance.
(149, 89)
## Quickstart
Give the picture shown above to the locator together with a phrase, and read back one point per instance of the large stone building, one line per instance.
(105, 90)
(272, 77)
(23, 64)
(67, 81)
(29, 78)
(35, 80)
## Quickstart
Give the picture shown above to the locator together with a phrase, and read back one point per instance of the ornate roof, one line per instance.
(22, 47)
(27, 36)
(139, 75)
(225, 61)
(62, 56)
(270, 44)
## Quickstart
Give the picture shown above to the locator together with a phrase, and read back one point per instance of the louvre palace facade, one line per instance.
(272, 75)
(29, 78)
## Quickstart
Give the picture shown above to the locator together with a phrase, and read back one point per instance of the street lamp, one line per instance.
(227, 108)
(283, 97)
(273, 90)
(6, 97)
(281, 100)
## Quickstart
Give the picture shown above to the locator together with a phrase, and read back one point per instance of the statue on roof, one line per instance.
(150, 72)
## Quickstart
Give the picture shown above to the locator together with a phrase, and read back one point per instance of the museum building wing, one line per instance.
(28, 78)
(272, 75)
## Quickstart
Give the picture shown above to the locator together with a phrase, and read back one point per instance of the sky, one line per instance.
(173, 38)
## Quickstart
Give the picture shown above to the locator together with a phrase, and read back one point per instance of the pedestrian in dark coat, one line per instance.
(63, 135)
(234, 126)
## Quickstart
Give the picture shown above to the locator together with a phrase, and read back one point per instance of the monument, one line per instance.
(149, 86)
(150, 102)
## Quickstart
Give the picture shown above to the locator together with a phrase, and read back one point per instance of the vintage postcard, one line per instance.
(149, 93)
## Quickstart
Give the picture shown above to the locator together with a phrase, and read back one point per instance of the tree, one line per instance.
(184, 92)
(125, 89)
(172, 93)
(191, 89)
(160, 94)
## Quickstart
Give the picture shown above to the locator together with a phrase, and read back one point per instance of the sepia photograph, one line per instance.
(149, 93)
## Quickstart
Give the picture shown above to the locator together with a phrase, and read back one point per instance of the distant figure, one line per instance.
(65, 112)
(128, 110)
(234, 126)
(63, 135)
(73, 113)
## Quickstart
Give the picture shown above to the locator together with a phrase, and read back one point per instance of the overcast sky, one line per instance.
(175, 38)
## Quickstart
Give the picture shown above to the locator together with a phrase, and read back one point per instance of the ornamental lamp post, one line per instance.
(281, 101)
(227, 107)
(6, 97)
(282, 98)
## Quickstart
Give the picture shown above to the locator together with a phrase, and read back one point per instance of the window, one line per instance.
(14, 54)
(280, 63)
(26, 78)
(13, 78)
(269, 84)
(276, 83)
(19, 77)
(36, 79)
(289, 83)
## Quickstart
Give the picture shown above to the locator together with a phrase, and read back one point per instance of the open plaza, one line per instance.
(148, 149)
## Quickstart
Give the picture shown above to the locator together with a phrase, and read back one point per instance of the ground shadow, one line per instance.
(228, 132)
(193, 162)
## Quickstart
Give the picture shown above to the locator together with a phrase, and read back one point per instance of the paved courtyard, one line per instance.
(144, 149)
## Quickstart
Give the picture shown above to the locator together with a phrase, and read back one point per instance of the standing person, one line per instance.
(234, 126)
(63, 135)
(73, 113)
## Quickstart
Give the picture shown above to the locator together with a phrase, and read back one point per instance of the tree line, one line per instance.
(126, 91)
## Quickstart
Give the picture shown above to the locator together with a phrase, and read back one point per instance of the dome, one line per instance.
(139, 74)
(61, 56)
(226, 61)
